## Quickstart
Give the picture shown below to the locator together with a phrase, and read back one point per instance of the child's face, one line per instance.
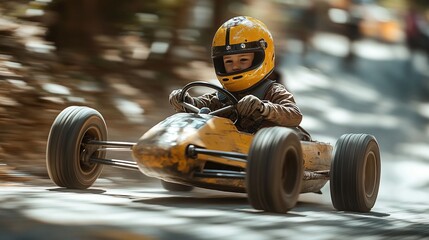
(237, 62)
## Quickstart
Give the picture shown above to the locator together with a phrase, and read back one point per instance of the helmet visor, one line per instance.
(256, 47)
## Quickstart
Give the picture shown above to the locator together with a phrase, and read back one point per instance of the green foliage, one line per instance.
(394, 4)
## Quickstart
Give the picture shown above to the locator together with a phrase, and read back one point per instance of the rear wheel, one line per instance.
(175, 187)
(355, 173)
(274, 170)
(67, 158)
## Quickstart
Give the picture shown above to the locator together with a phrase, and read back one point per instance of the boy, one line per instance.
(243, 57)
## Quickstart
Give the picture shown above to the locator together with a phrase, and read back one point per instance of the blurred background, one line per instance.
(353, 66)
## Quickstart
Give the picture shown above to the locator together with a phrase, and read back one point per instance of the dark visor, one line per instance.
(238, 48)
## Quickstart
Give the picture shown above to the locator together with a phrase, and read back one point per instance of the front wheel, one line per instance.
(355, 173)
(274, 170)
(67, 156)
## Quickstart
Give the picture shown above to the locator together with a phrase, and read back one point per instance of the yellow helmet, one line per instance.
(243, 35)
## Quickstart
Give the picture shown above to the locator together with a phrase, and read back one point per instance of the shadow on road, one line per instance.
(92, 190)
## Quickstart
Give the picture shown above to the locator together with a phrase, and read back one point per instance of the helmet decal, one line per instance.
(234, 21)
(228, 32)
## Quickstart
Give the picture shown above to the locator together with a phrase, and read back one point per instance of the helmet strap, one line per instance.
(259, 90)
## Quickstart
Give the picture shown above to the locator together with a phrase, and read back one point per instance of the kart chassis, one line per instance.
(192, 152)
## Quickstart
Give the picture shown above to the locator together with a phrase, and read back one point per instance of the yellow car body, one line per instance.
(162, 152)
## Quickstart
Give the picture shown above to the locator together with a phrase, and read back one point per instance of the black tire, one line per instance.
(175, 187)
(355, 173)
(274, 170)
(67, 159)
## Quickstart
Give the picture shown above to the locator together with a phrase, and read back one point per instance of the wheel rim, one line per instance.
(370, 174)
(289, 177)
(86, 151)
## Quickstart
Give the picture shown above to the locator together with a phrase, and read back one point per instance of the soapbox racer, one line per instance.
(201, 149)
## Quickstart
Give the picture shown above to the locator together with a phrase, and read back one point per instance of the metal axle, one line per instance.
(110, 143)
(193, 151)
(116, 163)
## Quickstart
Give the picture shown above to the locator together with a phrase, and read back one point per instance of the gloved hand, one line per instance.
(251, 107)
(174, 100)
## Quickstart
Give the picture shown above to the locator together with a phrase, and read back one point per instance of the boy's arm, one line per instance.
(281, 108)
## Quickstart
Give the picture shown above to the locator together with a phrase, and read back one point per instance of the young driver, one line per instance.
(243, 58)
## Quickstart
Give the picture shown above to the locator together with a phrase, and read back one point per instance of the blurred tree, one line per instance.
(76, 23)
(421, 4)
(174, 32)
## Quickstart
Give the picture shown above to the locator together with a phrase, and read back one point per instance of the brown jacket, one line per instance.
(283, 110)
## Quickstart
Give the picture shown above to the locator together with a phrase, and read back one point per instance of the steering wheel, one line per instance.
(194, 109)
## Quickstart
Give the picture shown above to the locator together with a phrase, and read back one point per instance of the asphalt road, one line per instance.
(376, 94)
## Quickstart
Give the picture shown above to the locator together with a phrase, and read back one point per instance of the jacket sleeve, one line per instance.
(282, 109)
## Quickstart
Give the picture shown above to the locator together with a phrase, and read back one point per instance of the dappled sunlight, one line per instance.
(421, 63)
(181, 212)
(112, 55)
(343, 102)
(415, 150)
(202, 71)
(295, 46)
(131, 110)
(349, 117)
(374, 50)
(423, 109)
(13, 65)
(386, 106)
(159, 47)
(333, 44)
(339, 116)
(308, 79)
(39, 46)
(100, 214)
(137, 49)
(123, 88)
(88, 208)
(56, 88)
(312, 123)
(216, 231)
(358, 91)
(351, 88)
(318, 103)
(403, 179)
(31, 35)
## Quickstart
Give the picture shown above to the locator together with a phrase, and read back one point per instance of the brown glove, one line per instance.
(174, 100)
(251, 107)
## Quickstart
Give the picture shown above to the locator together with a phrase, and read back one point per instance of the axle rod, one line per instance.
(308, 175)
(193, 151)
(110, 143)
(116, 163)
